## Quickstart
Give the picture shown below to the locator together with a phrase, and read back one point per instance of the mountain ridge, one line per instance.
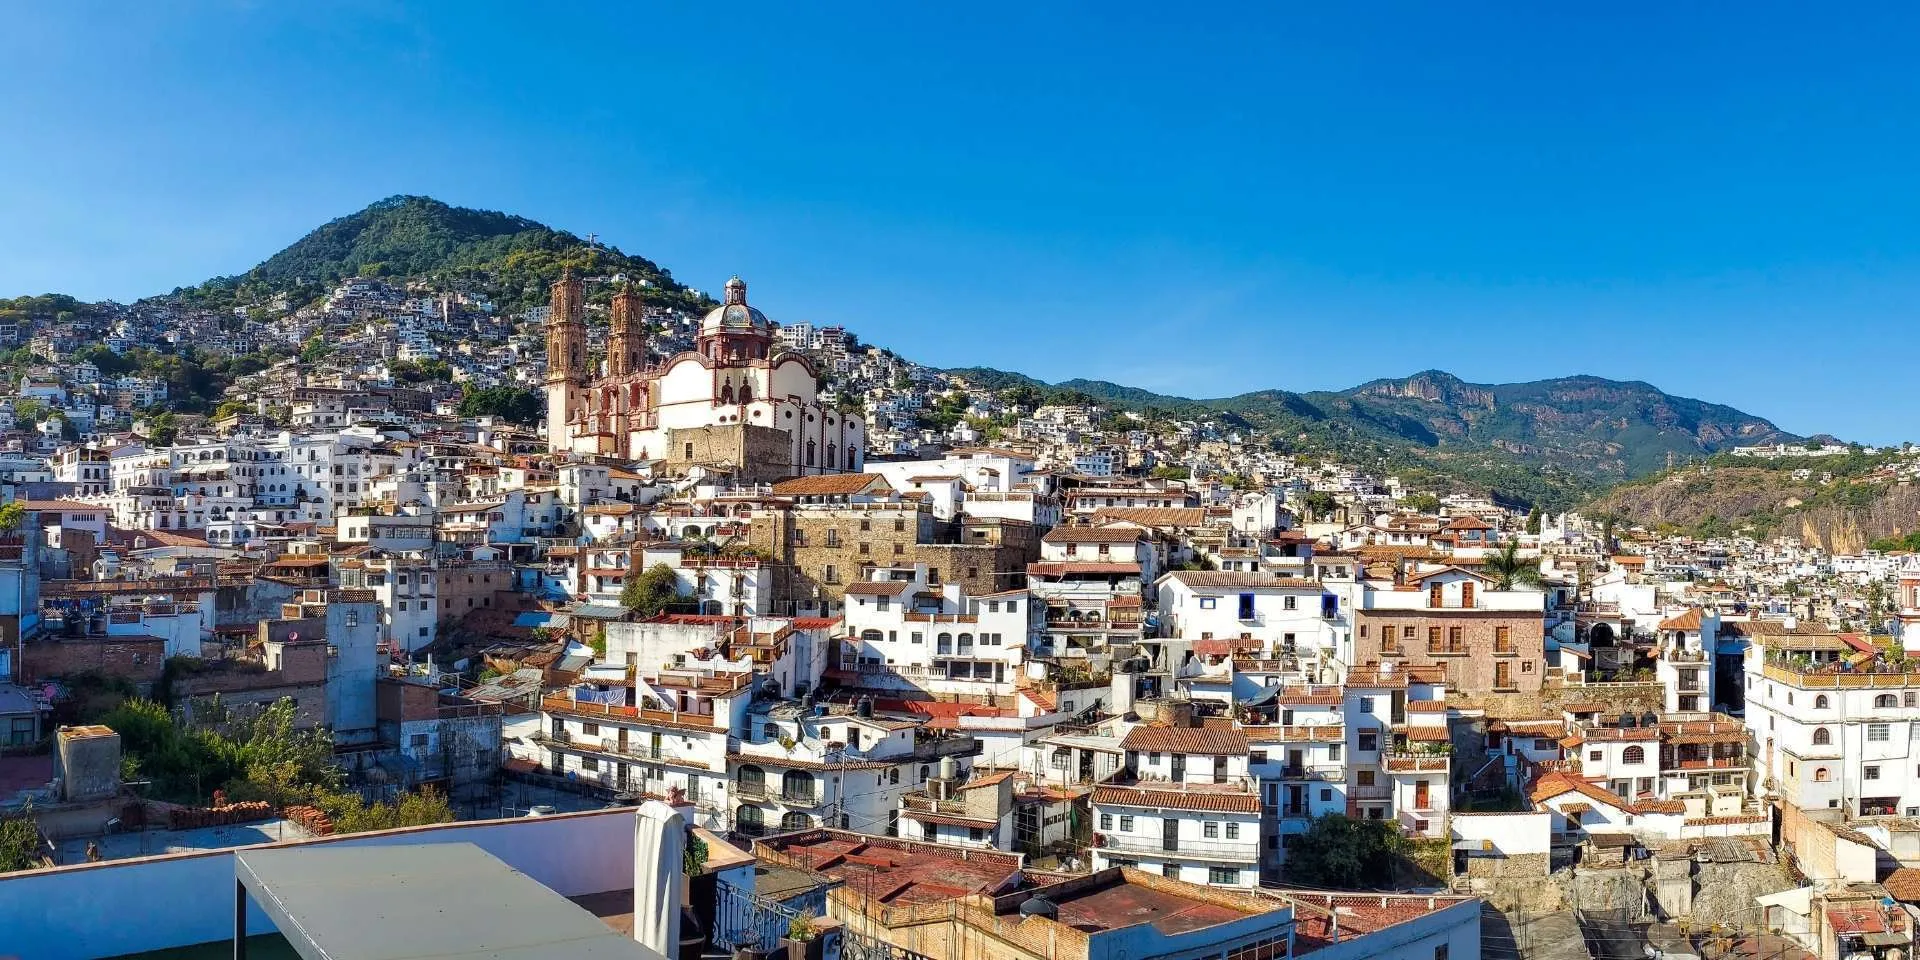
(1620, 428)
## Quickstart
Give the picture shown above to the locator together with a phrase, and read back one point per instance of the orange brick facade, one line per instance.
(1472, 657)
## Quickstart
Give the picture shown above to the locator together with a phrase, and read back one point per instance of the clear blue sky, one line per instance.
(1719, 200)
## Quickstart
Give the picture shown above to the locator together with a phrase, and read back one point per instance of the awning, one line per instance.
(1799, 902)
(447, 900)
(1888, 939)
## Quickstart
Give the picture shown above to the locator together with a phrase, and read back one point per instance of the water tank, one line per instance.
(949, 768)
(1038, 906)
(864, 708)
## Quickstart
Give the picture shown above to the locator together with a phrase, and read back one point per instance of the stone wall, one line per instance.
(1549, 700)
(759, 454)
(1519, 866)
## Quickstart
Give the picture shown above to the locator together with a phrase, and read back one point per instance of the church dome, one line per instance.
(734, 315)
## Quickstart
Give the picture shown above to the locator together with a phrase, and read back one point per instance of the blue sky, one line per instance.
(1195, 200)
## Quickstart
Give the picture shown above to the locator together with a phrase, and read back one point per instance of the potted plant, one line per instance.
(802, 942)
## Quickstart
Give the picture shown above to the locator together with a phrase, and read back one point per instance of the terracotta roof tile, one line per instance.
(1176, 799)
(1208, 740)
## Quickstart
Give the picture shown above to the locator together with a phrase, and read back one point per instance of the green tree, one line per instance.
(651, 591)
(12, 514)
(1422, 502)
(507, 403)
(1533, 521)
(1509, 569)
(1319, 505)
(19, 843)
(1344, 853)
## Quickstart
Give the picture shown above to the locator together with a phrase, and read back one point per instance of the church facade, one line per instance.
(733, 404)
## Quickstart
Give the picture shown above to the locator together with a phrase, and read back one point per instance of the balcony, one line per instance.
(800, 798)
(1246, 850)
(755, 789)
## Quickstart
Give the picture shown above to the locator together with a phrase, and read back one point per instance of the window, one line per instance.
(1287, 603)
(1453, 639)
(1333, 752)
(1126, 824)
(1884, 701)
(1870, 772)
(1821, 737)
(976, 834)
(1820, 702)
(1440, 952)
(589, 764)
(1433, 639)
(1363, 778)
(1369, 742)
(1223, 875)
(1210, 830)
(1366, 704)
(589, 729)
(1633, 754)
(1233, 831)
(1877, 732)
(1106, 821)
(1820, 775)
(1208, 603)
(1171, 871)
(1502, 639)
(1596, 756)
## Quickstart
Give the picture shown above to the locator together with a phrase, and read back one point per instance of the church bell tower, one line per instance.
(566, 357)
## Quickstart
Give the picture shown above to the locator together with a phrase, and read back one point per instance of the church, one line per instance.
(734, 404)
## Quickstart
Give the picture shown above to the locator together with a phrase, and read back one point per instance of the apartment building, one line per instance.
(906, 633)
(1183, 805)
(1827, 737)
(1483, 640)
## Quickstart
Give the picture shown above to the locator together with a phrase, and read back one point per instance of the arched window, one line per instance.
(832, 458)
(1821, 737)
(1634, 754)
(1885, 701)
(1820, 702)
(797, 785)
(726, 393)
(752, 779)
(1820, 775)
(893, 775)
(870, 636)
(751, 821)
(923, 773)
(809, 453)
(795, 821)
(746, 392)
(852, 458)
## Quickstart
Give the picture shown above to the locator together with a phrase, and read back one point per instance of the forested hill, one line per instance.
(1554, 442)
(510, 259)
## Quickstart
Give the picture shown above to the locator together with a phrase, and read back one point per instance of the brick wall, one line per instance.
(1472, 671)
(139, 659)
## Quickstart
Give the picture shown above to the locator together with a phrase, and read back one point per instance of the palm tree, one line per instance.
(1509, 569)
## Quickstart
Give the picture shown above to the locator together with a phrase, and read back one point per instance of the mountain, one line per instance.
(1842, 503)
(1554, 442)
(510, 259)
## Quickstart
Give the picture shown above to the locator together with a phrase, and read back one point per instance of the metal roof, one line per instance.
(441, 900)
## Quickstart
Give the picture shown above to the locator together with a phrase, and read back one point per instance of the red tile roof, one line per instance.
(1210, 740)
(1199, 802)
